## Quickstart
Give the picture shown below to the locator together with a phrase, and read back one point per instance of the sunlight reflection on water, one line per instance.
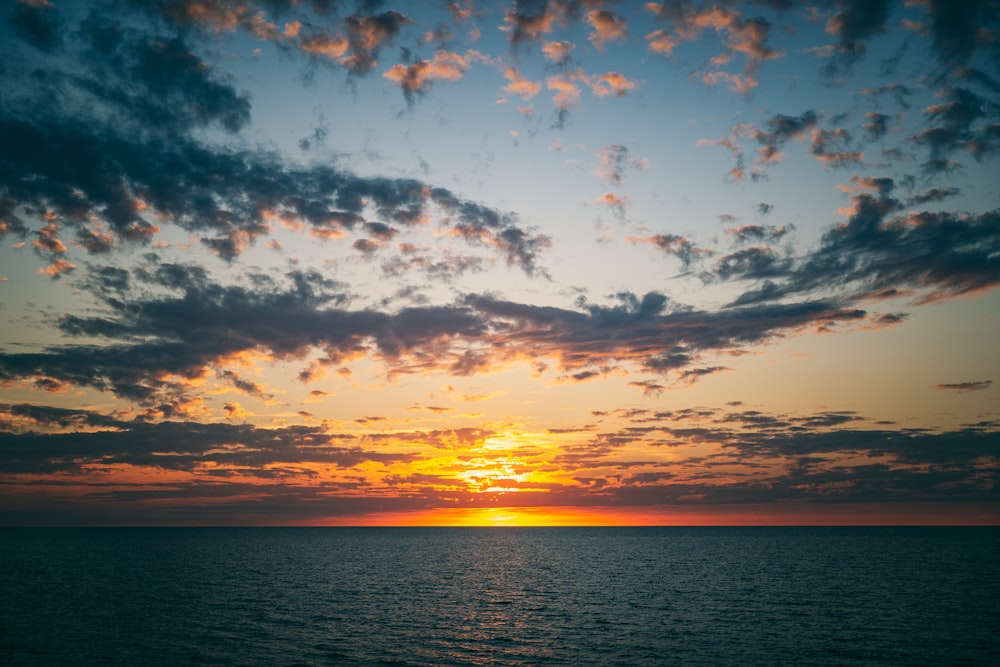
(490, 596)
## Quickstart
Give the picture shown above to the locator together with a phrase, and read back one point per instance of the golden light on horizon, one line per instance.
(508, 516)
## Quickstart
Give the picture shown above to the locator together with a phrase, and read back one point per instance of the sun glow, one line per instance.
(507, 516)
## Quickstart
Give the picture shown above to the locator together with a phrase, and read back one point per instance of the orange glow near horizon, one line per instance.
(861, 514)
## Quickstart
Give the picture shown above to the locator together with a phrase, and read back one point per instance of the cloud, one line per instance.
(187, 446)
(934, 195)
(155, 345)
(566, 91)
(939, 255)
(615, 161)
(898, 91)
(692, 375)
(123, 133)
(962, 387)
(649, 387)
(751, 263)
(446, 267)
(353, 43)
(747, 37)
(57, 269)
(367, 34)
(529, 21)
(334, 48)
(755, 457)
(37, 23)
(757, 233)
(612, 84)
(520, 85)
(854, 24)
(608, 27)
(567, 87)
(877, 125)
(830, 148)
(617, 203)
(964, 121)
(98, 163)
(417, 77)
(779, 130)
(662, 42)
(558, 52)
(771, 139)
(959, 29)
(673, 244)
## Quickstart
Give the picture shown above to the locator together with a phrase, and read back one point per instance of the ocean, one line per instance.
(500, 596)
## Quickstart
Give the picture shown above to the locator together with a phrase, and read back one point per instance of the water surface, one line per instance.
(500, 596)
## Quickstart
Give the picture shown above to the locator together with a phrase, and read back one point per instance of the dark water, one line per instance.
(500, 596)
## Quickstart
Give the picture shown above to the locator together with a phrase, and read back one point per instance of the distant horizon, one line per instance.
(932, 515)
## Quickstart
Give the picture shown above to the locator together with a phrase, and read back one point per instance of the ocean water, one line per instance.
(500, 596)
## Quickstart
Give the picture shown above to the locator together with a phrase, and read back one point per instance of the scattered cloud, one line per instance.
(962, 387)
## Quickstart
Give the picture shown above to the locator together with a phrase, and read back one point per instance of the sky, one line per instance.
(563, 262)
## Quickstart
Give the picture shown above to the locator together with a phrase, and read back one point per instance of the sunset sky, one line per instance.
(565, 262)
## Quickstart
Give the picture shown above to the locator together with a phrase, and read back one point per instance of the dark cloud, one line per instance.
(166, 445)
(877, 125)
(448, 268)
(965, 120)
(962, 387)
(354, 42)
(779, 130)
(752, 433)
(748, 37)
(650, 332)
(248, 387)
(958, 29)
(934, 195)
(882, 465)
(615, 161)
(854, 23)
(824, 457)
(694, 374)
(36, 23)
(367, 34)
(898, 91)
(529, 20)
(673, 244)
(831, 148)
(120, 149)
(649, 387)
(940, 167)
(758, 233)
(366, 246)
(938, 255)
(755, 262)
(168, 324)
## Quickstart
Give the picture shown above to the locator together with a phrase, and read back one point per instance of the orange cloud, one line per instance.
(520, 85)
(567, 93)
(660, 41)
(57, 269)
(613, 84)
(557, 52)
(321, 45)
(416, 78)
(608, 27)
